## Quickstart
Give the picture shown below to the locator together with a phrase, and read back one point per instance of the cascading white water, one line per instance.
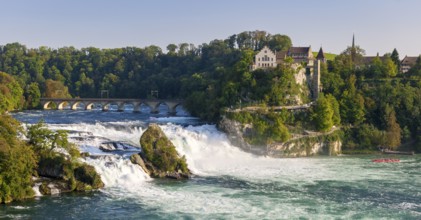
(230, 183)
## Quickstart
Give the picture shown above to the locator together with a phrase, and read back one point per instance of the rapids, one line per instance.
(228, 183)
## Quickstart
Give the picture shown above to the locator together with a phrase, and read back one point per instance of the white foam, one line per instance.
(117, 171)
(35, 188)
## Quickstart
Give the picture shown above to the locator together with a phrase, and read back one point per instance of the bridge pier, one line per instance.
(120, 106)
(136, 107)
(154, 105)
(172, 107)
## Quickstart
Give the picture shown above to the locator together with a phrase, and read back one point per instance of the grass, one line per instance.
(328, 56)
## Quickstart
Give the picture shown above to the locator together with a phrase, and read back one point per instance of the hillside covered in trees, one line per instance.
(372, 101)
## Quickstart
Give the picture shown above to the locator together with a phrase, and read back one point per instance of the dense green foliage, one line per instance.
(17, 162)
(381, 106)
(325, 113)
(268, 127)
(53, 162)
(10, 93)
(132, 72)
(215, 76)
(41, 155)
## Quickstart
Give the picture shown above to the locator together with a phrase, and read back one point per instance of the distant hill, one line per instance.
(329, 56)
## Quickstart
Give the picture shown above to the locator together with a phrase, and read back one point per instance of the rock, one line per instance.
(309, 144)
(59, 176)
(50, 186)
(88, 178)
(137, 159)
(53, 167)
(305, 147)
(85, 154)
(236, 132)
(160, 156)
(108, 146)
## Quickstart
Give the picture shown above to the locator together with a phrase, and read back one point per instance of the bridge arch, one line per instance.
(50, 105)
(78, 105)
(62, 105)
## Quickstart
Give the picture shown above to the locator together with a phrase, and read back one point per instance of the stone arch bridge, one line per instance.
(89, 103)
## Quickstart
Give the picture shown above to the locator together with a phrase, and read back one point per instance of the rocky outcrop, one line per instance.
(137, 159)
(236, 132)
(108, 146)
(87, 178)
(50, 186)
(159, 157)
(53, 167)
(111, 146)
(304, 146)
(59, 175)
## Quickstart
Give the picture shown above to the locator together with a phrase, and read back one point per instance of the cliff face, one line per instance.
(236, 133)
(305, 147)
(298, 147)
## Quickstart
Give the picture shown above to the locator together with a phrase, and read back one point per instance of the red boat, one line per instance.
(386, 160)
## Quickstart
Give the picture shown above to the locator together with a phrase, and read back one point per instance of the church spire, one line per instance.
(353, 49)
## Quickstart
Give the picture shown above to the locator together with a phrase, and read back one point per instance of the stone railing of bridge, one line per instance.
(88, 103)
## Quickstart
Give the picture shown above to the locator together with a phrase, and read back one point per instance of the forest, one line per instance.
(373, 102)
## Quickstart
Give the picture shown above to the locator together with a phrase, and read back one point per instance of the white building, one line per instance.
(266, 58)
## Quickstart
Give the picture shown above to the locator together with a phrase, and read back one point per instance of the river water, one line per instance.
(228, 183)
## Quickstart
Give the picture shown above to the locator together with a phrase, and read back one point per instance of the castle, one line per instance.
(301, 56)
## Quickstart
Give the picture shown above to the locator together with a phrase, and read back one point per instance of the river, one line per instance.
(228, 183)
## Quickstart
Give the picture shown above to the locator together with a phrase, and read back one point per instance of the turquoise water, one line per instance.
(229, 183)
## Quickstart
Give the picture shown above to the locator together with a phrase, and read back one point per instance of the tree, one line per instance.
(17, 162)
(10, 93)
(393, 131)
(46, 141)
(352, 103)
(395, 58)
(279, 42)
(56, 89)
(354, 53)
(323, 114)
(390, 66)
(171, 49)
(336, 111)
(32, 95)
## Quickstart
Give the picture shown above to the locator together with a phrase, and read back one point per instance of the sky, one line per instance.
(379, 25)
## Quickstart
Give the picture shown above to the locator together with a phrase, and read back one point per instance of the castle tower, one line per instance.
(321, 56)
(315, 87)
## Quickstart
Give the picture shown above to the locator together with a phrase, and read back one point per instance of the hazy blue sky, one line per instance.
(379, 25)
